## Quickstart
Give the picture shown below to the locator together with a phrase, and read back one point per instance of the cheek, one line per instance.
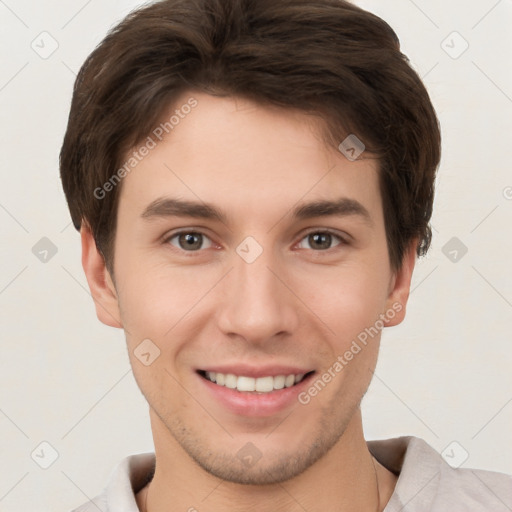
(157, 300)
(155, 304)
(347, 300)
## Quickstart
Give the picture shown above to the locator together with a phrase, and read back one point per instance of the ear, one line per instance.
(100, 282)
(400, 287)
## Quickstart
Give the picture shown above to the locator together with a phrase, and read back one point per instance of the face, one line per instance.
(250, 262)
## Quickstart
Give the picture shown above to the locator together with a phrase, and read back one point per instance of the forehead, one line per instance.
(233, 152)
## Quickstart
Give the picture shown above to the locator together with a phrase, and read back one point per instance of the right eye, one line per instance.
(189, 241)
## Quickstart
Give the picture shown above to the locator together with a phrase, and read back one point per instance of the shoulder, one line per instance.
(476, 489)
(129, 476)
(426, 482)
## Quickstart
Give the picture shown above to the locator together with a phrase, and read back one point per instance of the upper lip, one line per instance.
(260, 371)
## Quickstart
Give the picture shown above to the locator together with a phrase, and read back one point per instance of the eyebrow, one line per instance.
(171, 207)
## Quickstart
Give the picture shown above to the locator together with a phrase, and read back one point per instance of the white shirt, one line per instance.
(426, 483)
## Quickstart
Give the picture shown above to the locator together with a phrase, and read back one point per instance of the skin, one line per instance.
(299, 303)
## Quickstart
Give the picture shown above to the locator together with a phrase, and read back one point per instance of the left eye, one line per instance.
(190, 241)
(320, 240)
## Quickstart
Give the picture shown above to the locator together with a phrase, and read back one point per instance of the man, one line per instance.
(253, 181)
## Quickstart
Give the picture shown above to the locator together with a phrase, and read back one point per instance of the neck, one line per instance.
(346, 479)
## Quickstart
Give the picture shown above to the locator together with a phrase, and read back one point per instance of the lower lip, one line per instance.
(255, 404)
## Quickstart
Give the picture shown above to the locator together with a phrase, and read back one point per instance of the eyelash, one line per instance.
(342, 241)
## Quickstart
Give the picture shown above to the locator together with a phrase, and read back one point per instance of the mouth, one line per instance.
(254, 392)
(254, 385)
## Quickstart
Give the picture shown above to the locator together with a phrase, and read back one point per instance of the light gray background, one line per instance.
(444, 375)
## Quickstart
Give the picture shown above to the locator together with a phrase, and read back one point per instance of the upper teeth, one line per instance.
(260, 384)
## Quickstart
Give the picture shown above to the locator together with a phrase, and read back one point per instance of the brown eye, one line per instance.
(189, 241)
(320, 240)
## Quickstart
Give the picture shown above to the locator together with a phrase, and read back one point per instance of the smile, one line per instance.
(251, 384)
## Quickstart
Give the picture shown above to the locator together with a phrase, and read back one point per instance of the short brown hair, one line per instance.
(325, 57)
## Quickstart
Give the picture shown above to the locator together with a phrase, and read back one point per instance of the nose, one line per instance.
(257, 303)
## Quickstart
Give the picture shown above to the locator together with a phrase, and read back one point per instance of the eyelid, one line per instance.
(180, 231)
(342, 235)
